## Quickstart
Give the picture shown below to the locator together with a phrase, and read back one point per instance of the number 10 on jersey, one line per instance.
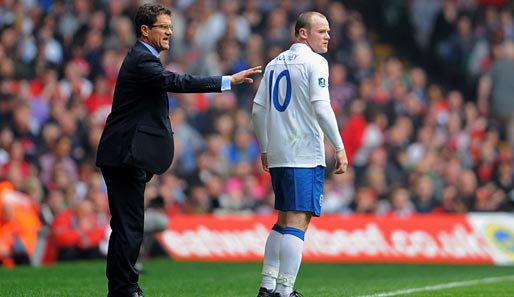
(273, 89)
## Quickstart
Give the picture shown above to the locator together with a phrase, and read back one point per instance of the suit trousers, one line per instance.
(125, 190)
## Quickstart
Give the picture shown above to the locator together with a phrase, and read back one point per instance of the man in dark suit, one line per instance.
(137, 141)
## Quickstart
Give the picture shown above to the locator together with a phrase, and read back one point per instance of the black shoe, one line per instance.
(293, 294)
(296, 294)
(138, 293)
(263, 292)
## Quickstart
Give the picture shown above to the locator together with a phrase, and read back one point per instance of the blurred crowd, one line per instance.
(423, 92)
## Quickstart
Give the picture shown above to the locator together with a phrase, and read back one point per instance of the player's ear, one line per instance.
(303, 33)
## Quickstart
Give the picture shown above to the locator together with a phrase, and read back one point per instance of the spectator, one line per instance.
(417, 150)
(355, 47)
(338, 17)
(78, 232)
(361, 62)
(52, 51)
(401, 203)
(172, 191)
(99, 102)
(418, 84)
(59, 156)
(214, 186)
(339, 193)
(490, 198)
(365, 201)
(342, 92)
(503, 177)
(397, 166)
(75, 80)
(354, 131)
(123, 36)
(453, 53)
(52, 206)
(17, 166)
(495, 90)
(220, 23)
(467, 186)
(185, 160)
(444, 27)
(451, 202)
(485, 164)
(276, 30)
(244, 148)
(251, 11)
(23, 127)
(19, 226)
(424, 194)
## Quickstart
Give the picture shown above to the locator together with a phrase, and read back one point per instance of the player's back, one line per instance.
(295, 138)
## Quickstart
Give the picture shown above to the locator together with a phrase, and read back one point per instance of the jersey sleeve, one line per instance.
(259, 113)
(318, 80)
(261, 97)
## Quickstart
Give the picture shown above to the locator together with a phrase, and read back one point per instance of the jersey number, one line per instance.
(273, 90)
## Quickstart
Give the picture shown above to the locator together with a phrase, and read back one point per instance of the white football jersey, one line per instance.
(291, 82)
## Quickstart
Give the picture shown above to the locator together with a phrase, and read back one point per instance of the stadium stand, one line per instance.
(418, 91)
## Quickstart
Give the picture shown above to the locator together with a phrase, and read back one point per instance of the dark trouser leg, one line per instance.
(125, 188)
(505, 123)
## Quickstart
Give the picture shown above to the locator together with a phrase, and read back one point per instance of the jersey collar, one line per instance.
(300, 46)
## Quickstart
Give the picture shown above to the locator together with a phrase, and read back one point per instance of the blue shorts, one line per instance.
(298, 189)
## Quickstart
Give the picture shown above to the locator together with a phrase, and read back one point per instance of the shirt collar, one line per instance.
(300, 46)
(150, 48)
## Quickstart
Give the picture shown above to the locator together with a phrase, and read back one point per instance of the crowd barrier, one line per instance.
(475, 238)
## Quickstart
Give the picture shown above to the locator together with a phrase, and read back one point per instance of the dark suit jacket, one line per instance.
(138, 130)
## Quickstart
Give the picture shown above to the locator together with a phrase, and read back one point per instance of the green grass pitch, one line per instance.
(164, 277)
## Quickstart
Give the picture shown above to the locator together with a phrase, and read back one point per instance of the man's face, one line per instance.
(318, 35)
(159, 34)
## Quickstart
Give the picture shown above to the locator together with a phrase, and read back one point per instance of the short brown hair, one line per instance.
(147, 15)
(304, 21)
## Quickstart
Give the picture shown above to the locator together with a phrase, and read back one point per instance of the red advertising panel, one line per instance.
(420, 239)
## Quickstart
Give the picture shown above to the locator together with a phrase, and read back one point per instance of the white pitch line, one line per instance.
(444, 286)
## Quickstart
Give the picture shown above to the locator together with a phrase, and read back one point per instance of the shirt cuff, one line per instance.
(225, 83)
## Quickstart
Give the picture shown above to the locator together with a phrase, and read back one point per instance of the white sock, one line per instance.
(271, 261)
(290, 259)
